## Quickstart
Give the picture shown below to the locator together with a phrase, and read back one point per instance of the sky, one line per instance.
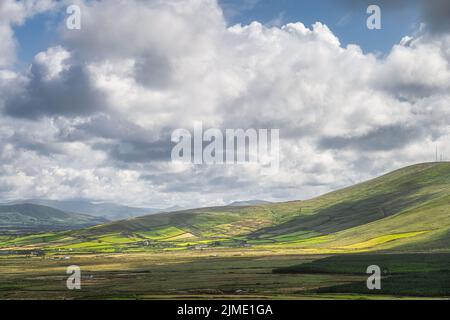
(346, 18)
(89, 113)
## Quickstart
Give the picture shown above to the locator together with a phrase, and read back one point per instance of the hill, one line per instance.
(248, 203)
(406, 210)
(27, 218)
(110, 211)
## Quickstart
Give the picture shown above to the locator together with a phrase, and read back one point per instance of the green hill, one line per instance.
(109, 211)
(27, 218)
(408, 209)
(319, 248)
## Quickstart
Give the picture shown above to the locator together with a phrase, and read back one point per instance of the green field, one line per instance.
(319, 248)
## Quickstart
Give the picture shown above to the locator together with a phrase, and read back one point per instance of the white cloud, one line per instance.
(14, 13)
(52, 62)
(103, 104)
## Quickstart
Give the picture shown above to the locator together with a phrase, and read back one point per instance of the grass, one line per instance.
(199, 275)
(382, 240)
(403, 274)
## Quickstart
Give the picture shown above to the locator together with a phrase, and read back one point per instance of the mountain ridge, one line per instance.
(28, 217)
(247, 203)
(111, 211)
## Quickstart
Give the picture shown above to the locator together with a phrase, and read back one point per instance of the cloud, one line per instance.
(137, 151)
(418, 69)
(379, 139)
(93, 115)
(233, 8)
(434, 13)
(14, 13)
(55, 87)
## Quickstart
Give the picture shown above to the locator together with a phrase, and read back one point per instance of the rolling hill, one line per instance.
(248, 203)
(110, 211)
(407, 210)
(27, 218)
(319, 248)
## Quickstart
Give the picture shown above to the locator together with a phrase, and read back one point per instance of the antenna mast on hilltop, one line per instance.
(436, 153)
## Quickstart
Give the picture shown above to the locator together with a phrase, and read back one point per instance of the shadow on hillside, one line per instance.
(348, 214)
(429, 284)
(418, 274)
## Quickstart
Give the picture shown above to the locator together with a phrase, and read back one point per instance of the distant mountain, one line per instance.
(248, 203)
(22, 218)
(174, 209)
(109, 211)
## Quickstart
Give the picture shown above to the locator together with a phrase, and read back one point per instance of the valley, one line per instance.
(319, 248)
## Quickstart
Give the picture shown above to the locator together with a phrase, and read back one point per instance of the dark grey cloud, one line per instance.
(153, 71)
(108, 126)
(410, 91)
(5, 188)
(203, 179)
(137, 151)
(70, 94)
(121, 139)
(28, 142)
(380, 139)
(435, 13)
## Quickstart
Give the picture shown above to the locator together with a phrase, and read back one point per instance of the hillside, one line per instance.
(110, 211)
(26, 218)
(408, 209)
(248, 203)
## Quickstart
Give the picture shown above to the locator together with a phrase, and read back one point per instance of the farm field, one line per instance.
(187, 276)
